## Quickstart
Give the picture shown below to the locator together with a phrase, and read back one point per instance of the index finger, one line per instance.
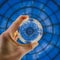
(16, 24)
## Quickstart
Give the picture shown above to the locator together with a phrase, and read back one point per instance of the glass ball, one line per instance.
(30, 30)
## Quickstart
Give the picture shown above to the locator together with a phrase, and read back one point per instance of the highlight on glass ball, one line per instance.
(30, 31)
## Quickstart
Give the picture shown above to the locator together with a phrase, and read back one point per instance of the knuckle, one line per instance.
(31, 46)
(5, 35)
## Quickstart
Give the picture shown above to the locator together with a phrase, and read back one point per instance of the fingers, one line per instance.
(14, 36)
(16, 24)
(12, 30)
(28, 47)
(7, 37)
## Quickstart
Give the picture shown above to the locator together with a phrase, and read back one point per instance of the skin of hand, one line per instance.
(9, 48)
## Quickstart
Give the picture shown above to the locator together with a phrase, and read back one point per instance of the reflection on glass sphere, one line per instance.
(30, 30)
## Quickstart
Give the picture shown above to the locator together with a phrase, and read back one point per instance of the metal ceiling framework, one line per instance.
(47, 15)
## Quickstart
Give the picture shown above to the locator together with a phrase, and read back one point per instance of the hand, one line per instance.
(9, 48)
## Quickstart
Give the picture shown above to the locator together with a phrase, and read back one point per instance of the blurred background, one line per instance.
(47, 12)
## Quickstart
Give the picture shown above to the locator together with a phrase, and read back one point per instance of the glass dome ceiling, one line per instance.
(47, 12)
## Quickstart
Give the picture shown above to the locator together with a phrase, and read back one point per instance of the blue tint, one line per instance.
(58, 43)
(47, 22)
(57, 1)
(30, 57)
(1, 31)
(3, 22)
(58, 16)
(41, 55)
(47, 12)
(53, 52)
(44, 1)
(37, 11)
(39, 5)
(8, 13)
(49, 29)
(43, 16)
(57, 57)
(54, 20)
(17, 6)
(11, 2)
(52, 6)
(48, 37)
(28, 10)
(54, 39)
(28, 3)
(45, 58)
(29, 30)
(56, 29)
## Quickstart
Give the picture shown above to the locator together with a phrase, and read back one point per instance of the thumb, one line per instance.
(28, 47)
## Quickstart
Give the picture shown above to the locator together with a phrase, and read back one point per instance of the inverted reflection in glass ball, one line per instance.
(30, 31)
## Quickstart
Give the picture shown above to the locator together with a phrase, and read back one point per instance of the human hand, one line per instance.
(9, 48)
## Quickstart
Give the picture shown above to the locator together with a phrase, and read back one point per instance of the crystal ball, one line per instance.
(30, 30)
